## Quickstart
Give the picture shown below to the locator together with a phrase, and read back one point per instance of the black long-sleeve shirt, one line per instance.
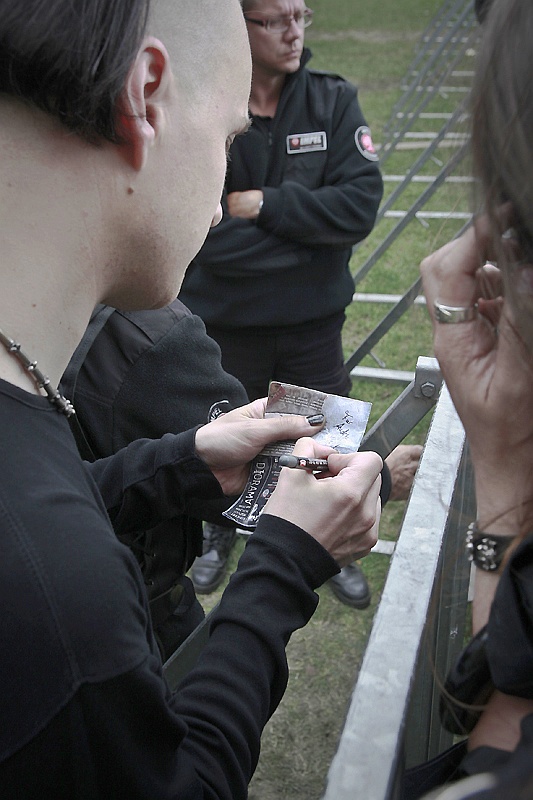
(85, 710)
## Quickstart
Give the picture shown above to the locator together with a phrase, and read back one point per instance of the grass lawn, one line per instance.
(372, 45)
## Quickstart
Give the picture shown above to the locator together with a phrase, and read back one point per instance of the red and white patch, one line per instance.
(365, 145)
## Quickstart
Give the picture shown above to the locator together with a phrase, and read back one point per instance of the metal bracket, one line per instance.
(419, 397)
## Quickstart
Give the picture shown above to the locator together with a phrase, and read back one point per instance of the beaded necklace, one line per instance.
(41, 380)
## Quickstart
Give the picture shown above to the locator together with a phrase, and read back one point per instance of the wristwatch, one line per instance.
(486, 550)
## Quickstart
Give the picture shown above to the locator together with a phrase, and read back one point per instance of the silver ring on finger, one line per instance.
(454, 315)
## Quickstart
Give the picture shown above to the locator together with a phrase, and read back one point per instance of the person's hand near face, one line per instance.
(489, 373)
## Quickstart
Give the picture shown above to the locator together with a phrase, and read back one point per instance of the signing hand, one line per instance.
(340, 510)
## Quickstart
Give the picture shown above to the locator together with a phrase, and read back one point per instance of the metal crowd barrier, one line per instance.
(428, 82)
(410, 295)
(392, 720)
(436, 86)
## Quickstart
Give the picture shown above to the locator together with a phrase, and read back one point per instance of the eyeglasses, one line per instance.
(303, 19)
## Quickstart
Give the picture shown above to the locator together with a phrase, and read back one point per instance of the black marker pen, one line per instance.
(296, 462)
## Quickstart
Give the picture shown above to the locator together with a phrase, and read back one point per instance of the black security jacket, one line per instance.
(291, 265)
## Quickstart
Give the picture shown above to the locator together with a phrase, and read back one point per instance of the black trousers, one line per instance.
(309, 354)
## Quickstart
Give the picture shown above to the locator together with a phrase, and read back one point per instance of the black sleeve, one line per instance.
(269, 597)
(510, 626)
(236, 243)
(152, 480)
(129, 737)
(342, 211)
(150, 373)
(295, 218)
(172, 386)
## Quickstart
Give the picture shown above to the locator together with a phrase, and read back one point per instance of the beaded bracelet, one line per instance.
(486, 550)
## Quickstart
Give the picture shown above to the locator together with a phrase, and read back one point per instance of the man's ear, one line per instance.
(144, 99)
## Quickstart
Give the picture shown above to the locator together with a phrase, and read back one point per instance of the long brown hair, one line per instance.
(502, 138)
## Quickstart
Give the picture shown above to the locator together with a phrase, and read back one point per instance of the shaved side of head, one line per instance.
(199, 36)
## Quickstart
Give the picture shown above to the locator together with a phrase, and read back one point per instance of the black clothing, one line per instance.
(291, 265)
(166, 348)
(438, 771)
(510, 627)
(286, 272)
(309, 354)
(148, 373)
(510, 656)
(85, 710)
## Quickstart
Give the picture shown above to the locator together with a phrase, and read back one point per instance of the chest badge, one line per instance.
(365, 145)
(306, 142)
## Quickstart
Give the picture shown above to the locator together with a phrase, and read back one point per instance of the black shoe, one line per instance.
(350, 587)
(209, 570)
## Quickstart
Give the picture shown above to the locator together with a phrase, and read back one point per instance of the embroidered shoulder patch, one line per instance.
(365, 145)
(306, 142)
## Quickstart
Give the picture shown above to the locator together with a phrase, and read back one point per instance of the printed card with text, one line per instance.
(345, 424)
